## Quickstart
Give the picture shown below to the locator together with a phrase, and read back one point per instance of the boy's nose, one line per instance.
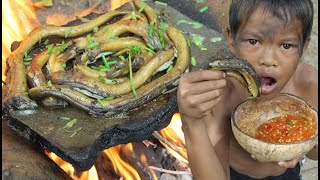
(269, 58)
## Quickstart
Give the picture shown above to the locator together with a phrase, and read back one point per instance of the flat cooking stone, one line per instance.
(100, 133)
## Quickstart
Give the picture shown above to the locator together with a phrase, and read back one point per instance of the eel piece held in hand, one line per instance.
(242, 71)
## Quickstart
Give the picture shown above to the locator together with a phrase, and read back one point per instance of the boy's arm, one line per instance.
(198, 94)
(312, 98)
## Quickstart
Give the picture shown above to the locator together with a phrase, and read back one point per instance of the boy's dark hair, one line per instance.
(287, 10)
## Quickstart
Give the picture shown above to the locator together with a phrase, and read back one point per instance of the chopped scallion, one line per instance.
(92, 45)
(105, 62)
(95, 29)
(68, 33)
(101, 103)
(89, 38)
(142, 8)
(133, 16)
(203, 9)
(50, 48)
(169, 69)
(193, 61)
(104, 29)
(163, 26)
(131, 78)
(160, 3)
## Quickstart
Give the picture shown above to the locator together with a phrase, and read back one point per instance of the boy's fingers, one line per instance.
(203, 75)
(288, 164)
(207, 86)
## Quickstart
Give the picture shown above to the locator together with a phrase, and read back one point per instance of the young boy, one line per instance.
(272, 35)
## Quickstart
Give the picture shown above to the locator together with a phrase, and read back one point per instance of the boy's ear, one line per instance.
(231, 42)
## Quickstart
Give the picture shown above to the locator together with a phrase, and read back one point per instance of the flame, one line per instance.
(18, 19)
(91, 174)
(174, 134)
(121, 167)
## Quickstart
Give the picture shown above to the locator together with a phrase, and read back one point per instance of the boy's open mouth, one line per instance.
(267, 84)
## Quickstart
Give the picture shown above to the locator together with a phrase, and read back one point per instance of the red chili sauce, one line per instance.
(286, 129)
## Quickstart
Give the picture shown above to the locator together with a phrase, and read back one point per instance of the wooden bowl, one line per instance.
(249, 115)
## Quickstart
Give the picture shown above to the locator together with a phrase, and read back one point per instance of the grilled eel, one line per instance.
(242, 71)
(127, 101)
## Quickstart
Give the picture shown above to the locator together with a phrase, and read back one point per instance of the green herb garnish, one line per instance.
(95, 29)
(108, 98)
(161, 3)
(169, 69)
(104, 29)
(251, 98)
(105, 62)
(65, 118)
(161, 38)
(203, 9)
(101, 79)
(193, 61)
(95, 67)
(46, 42)
(133, 16)
(101, 103)
(142, 8)
(151, 30)
(68, 33)
(131, 78)
(195, 25)
(110, 33)
(75, 132)
(122, 58)
(49, 83)
(89, 38)
(163, 26)
(64, 65)
(70, 124)
(92, 45)
(50, 48)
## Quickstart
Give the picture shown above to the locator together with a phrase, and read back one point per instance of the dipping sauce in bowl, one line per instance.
(286, 129)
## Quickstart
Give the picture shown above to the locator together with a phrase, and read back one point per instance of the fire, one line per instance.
(18, 19)
(173, 133)
(121, 167)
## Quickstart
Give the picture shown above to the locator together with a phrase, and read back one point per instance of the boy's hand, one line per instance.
(289, 164)
(199, 92)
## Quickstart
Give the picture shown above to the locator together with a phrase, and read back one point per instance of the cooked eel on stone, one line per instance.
(242, 71)
(105, 87)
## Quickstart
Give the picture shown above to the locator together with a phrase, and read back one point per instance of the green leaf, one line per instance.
(92, 45)
(65, 118)
(203, 9)
(193, 61)
(122, 58)
(46, 42)
(104, 29)
(50, 48)
(70, 124)
(49, 83)
(169, 69)
(101, 103)
(142, 8)
(131, 78)
(133, 16)
(163, 26)
(68, 33)
(161, 3)
(95, 29)
(216, 39)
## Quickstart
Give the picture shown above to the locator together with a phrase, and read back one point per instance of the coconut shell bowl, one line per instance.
(250, 116)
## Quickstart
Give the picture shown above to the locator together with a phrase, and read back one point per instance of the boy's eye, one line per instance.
(253, 41)
(286, 46)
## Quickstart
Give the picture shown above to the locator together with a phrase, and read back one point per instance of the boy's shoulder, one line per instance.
(306, 75)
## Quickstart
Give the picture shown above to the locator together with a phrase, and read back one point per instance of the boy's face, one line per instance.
(272, 46)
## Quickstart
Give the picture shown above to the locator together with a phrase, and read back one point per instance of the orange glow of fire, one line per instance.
(173, 133)
(18, 19)
(121, 167)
